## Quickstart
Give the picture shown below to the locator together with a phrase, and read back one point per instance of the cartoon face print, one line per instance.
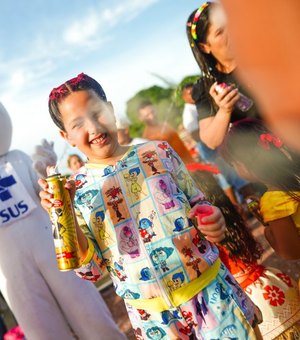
(128, 294)
(193, 261)
(156, 333)
(80, 180)
(178, 279)
(114, 194)
(146, 274)
(199, 243)
(176, 282)
(168, 316)
(87, 197)
(168, 151)
(179, 224)
(128, 242)
(163, 195)
(149, 158)
(146, 227)
(87, 273)
(99, 226)
(159, 257)
(132, 177)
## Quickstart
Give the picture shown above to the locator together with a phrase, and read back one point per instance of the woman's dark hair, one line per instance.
(206, 62)
(80, 83)
(251, 143)
(239, 241)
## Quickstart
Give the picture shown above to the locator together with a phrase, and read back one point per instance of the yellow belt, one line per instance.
(180, 295)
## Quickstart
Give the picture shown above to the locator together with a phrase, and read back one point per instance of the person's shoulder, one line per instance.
(17, 155)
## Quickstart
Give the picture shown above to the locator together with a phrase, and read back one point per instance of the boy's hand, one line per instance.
(212, 226)
(46, 196)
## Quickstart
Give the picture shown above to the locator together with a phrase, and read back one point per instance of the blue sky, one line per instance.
(119, 43)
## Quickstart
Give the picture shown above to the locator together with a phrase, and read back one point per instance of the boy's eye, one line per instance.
(76, 125)
(219, 31)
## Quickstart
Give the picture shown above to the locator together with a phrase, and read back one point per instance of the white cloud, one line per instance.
(82, 30)
(97, 22)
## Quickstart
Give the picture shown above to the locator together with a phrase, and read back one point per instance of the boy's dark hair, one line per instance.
(80, 83)
(186, 87)
(251, 143)
(144, 104)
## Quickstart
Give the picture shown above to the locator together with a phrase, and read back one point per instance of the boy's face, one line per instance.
(90, 125)
(187, 95)
(147, 114)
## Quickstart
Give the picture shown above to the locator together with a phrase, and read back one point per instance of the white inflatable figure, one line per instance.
(48, 304)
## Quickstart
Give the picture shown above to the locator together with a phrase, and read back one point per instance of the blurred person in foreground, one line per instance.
(265, 35)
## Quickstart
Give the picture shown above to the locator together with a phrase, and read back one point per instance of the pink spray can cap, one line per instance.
(202, 211)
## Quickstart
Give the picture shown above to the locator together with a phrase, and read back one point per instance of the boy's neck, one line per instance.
(112, 160)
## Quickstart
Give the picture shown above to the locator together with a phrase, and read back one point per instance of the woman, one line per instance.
(210, 44)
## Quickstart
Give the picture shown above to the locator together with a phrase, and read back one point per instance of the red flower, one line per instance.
(285, 278)
(275, 295)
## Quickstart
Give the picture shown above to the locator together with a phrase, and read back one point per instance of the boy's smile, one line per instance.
(90, 126)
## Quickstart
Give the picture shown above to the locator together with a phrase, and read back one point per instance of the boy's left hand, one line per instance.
(213, 227)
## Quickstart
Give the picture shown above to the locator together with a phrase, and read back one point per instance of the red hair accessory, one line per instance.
(203, 167)
(76, 80)
(58, 92)
(266, 138)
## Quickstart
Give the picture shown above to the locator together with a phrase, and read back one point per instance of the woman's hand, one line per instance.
(226, 98)
(212, 225)
(47, 197)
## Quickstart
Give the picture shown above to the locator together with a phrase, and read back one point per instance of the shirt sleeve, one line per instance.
(92, 266)
(277, 204)
(201, 98)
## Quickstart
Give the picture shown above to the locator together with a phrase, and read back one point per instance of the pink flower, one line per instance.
(275, 295)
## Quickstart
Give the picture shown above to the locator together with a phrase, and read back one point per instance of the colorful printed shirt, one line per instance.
(135, 217)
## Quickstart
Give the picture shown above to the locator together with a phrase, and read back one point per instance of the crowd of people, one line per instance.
(169, 227)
